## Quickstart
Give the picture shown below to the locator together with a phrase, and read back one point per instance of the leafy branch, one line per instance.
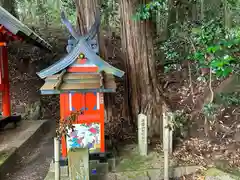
(66, 124)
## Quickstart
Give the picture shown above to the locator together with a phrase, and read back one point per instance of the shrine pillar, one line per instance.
(4, 80)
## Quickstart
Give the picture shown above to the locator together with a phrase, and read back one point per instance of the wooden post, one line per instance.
(170, 120)
(57, 158)
(165, 145)
(78, 163)
(142, 134)
(62, 116)
(6, 104)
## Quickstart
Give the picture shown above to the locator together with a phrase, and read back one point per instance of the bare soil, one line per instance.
(35, 164)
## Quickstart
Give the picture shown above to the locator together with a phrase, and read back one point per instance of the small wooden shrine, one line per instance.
(12, 29)
(81, 78)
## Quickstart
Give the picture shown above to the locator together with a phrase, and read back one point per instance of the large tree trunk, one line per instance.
(86, 11)
(142, 95)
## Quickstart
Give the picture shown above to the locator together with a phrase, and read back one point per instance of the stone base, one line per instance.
(63, 169)
(96, 168)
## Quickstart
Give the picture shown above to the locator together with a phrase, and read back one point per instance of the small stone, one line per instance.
(237, 137)
(35, 110)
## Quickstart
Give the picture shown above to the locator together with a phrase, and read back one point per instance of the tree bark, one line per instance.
(142, 95)
(86, 11)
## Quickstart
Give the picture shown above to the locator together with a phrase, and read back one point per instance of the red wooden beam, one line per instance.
(8, 36)
(5, 37)
(5, 88)
(6, 104)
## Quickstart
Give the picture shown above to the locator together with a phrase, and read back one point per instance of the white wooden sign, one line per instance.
(142, 134)
(101, 98)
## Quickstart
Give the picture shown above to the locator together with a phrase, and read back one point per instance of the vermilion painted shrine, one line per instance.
(12, 29)
(81, 78)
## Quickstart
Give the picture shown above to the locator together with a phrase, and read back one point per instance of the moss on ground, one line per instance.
(4, 155)
(131, 160)
(220, 173)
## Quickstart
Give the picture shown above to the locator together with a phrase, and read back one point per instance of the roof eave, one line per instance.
(17, 28)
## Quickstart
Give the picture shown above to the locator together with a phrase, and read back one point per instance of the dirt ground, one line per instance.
(35, 164)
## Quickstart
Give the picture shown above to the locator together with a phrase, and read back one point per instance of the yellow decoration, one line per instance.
(81, 56)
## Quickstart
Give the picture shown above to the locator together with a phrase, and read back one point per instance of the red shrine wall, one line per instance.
(92, 120)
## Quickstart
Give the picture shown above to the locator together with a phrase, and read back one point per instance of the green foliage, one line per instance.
(180, 124)
(208, 45)
(174, 48)
(45, 12)
(110, 15)
(216, 48)
(230, 99)
(144, 11)
(210, 109)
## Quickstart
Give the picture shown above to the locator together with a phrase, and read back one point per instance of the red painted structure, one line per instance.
(5, 37)
(91, 104)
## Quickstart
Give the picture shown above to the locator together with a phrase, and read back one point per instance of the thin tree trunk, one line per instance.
(227, 15)
(142, 95)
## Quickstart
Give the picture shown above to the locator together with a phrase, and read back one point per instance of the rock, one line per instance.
(34, 110)
(237, 137)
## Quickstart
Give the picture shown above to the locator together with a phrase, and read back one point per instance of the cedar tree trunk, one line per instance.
(142, 95)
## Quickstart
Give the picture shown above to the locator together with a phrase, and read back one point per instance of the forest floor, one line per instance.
(222, 151)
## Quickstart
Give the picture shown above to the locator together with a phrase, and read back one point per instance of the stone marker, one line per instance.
(78, 162)
(142, 134)
(166, 145)
(170, 121)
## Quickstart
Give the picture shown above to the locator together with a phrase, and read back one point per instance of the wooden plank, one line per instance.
(53, 77)
(142, 134)
(78, 159)
(47, 86)
(108, 77)
(77, 86)
(88, 81)
(73, 86)
(73, 76)
(59, 80)
(110, 85)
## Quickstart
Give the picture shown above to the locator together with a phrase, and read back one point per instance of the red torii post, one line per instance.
(5, 37)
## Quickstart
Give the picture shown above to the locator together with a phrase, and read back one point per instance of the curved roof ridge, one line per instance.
(98, 61)
(63, 62)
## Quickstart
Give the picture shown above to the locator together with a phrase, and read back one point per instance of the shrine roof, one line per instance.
(81, 44)
(72, 82)
(16, 27)
(81, 47)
